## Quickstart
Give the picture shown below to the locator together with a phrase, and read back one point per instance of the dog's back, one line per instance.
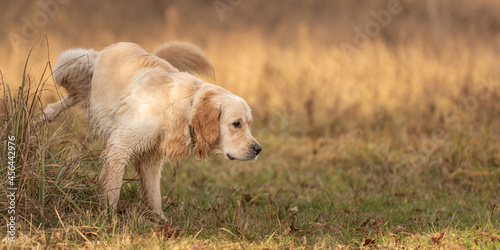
(112, 87)
(75, 68)
(187, 58)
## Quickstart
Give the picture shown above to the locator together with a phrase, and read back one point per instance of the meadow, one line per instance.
(394, 143)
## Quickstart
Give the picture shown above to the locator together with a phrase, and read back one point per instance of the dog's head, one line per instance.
(221, 124)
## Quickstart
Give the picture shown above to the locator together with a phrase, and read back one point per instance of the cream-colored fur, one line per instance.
(147, 111)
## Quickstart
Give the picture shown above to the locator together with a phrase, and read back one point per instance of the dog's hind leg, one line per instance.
(54, 109)
(149, 166)
(116, 157)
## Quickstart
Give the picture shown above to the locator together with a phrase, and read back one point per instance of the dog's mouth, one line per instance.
(230, 157)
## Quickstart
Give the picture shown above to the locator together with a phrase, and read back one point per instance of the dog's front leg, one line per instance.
(149, 166)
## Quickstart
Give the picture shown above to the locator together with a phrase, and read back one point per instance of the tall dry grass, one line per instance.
(47, 159)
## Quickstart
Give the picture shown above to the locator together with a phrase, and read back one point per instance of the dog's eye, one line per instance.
(237, 124)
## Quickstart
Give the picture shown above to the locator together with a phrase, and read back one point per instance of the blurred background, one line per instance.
(312, 68)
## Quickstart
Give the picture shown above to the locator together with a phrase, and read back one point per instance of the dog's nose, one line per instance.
(257, 148)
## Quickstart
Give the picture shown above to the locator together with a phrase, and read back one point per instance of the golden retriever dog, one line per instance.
(148, 110)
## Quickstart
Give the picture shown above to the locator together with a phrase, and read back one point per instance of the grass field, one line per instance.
(394, 146)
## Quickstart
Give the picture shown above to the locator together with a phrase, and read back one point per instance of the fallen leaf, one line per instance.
(166, 230)
(247, 197)
(293, 209)
(365, 222)
(251, 200)
(397, 240)
(492, 236)
(400, 228)
(437, 238)
(290, 229)
(403, 194)
(241, 232)
(287, 231)
(91, 234)
(369, 242)
(477, 241)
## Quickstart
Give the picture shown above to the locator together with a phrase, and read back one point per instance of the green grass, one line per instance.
(332, 193)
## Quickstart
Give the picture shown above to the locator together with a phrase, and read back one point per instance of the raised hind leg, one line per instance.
(54, 109)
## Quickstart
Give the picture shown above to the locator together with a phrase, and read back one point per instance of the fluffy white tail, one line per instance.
(74, 70)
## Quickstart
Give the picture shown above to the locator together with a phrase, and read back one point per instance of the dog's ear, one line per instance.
(205, 123)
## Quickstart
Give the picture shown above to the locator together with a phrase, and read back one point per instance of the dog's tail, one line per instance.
(74, 70)
(186, 57)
